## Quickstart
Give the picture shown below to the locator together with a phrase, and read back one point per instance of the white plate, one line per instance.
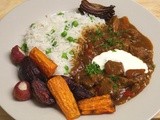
(12, 29)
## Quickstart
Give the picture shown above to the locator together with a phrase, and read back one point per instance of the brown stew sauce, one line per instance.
(118, 33)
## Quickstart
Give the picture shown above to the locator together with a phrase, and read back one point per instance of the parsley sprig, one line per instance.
(24, 47)
(93, 68)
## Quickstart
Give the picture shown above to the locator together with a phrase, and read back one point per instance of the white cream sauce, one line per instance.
(128, 60)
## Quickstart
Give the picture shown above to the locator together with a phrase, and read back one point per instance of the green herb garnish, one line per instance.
(52, 31)
(24, 47)
(49, 34)
(71, 52)
(71, 39)
(75, 23)
(112, 32)
(54, 44)
(32, 25)
(48, 50)
(99, 33)
(66, 68)
(114, 78)
(111, 42)
(67, 27)
(91, 18)
(64, 34)
(64, 55)
(60, 13)
(93, 68)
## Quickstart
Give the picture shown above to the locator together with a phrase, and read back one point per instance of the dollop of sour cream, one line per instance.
(128, 60)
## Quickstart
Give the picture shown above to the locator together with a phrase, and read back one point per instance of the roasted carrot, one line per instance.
(96, 105)
(46, 65)
(64, 97)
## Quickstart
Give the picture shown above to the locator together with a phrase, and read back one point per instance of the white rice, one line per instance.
(43, 33)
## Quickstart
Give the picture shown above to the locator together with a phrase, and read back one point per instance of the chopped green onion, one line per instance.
(67, 27)
(32, 25)
(113, 50)
(24, 47)
(71, 52)
(48, 50)
(64, 34)
(91, 18)
(75, 23)
(64, 55)
(52, 31)
(71, 39)
(66, 68)
(47, 34)
(60, 13)
(54, 44)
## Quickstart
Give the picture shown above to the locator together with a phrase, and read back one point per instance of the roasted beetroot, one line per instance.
(41, 92)
(16, 55)
(78, 91)
(29, 71)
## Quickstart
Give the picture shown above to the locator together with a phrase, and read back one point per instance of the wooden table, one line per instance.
(8, 5)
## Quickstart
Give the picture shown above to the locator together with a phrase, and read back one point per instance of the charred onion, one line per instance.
(104, 12)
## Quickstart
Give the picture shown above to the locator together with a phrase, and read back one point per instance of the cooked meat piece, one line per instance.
(142, 53)
(105, 87)
(124, 82)
(115, 24)
(134, 72)
(126, 44)
(114, 68)
(124, 23)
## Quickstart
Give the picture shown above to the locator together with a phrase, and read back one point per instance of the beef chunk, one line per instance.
(142, 53)
(134, 72)
(114, 68)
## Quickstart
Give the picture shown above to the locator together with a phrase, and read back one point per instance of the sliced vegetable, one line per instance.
(46, 65)
(78, 90)
(64, 97)
(96, 105)
(41, 93)
(29, 71)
